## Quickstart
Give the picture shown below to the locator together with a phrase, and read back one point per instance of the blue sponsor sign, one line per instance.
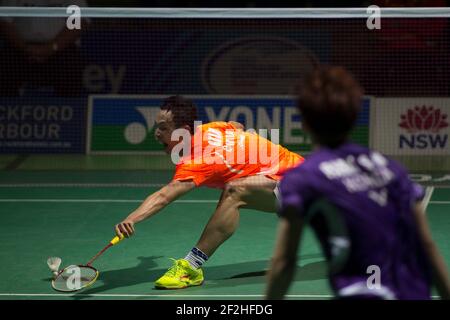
(42, 125)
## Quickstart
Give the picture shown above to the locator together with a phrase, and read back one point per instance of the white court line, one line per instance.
(158, 295)
(164, 296)
(439, 202)
(427, 198)
(103, 185)
(80, 185)
(425, 202)
(99, 200)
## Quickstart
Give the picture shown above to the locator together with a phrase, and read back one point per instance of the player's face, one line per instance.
(164, 128)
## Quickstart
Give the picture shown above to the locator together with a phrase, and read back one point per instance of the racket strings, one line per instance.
(74, 278)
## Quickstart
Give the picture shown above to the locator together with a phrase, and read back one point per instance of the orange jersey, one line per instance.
(222, 152)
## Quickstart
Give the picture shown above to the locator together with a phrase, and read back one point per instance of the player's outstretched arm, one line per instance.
(284, 261)
(440, 273)
(153, 204)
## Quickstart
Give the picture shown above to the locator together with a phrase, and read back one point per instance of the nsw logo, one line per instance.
(423, 125)
(136, 132)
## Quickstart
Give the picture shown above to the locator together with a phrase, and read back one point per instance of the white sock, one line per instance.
(196, 258)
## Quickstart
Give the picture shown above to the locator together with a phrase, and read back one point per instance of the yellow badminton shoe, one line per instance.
(180, 275)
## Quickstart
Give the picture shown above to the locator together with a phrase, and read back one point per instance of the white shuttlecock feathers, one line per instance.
(54, 263)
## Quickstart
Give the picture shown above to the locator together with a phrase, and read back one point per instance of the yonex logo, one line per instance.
(423, 119)
(136, 132)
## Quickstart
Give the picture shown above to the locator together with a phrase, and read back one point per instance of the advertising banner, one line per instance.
(123, 124)
(412, 126)
(38, 125)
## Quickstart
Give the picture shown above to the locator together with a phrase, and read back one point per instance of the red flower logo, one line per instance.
(423, 118)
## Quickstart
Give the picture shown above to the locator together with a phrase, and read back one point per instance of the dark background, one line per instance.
(111, 56)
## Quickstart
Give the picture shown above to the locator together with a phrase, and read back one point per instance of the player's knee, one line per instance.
(235, 190)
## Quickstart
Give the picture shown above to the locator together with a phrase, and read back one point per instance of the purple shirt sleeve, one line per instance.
(295, 192)
(411, 189)
(417, 191)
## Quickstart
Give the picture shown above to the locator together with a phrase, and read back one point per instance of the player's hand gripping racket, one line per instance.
(77, 277)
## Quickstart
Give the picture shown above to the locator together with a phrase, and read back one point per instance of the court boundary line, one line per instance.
(439, 202)
(101, 200)
(118, 295)
(81, 185)
(158, 295)
(113, 185)
(425, 202)
(427, 197)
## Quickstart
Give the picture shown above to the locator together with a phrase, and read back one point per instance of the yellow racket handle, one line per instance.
(117, 239)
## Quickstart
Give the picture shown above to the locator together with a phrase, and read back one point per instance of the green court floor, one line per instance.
(71, 214)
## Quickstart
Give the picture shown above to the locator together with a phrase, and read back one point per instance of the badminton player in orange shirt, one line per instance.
(246, 166)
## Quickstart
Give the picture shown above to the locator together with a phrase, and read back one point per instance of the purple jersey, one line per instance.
(359, 204)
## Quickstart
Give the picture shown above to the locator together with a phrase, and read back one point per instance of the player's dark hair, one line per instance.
(329, 101)
(183, 110)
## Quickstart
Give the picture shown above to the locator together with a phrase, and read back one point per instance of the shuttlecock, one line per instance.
(54, 263)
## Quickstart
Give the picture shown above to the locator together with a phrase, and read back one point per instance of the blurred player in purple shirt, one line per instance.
(363, 208)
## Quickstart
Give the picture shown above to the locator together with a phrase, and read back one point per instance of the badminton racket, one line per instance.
(77, 277)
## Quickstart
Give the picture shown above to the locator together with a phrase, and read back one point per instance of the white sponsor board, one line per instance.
(412, 126)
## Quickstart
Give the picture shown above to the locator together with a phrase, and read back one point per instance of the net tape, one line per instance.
(227, 13)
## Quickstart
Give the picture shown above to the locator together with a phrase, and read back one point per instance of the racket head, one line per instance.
(74, 278)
